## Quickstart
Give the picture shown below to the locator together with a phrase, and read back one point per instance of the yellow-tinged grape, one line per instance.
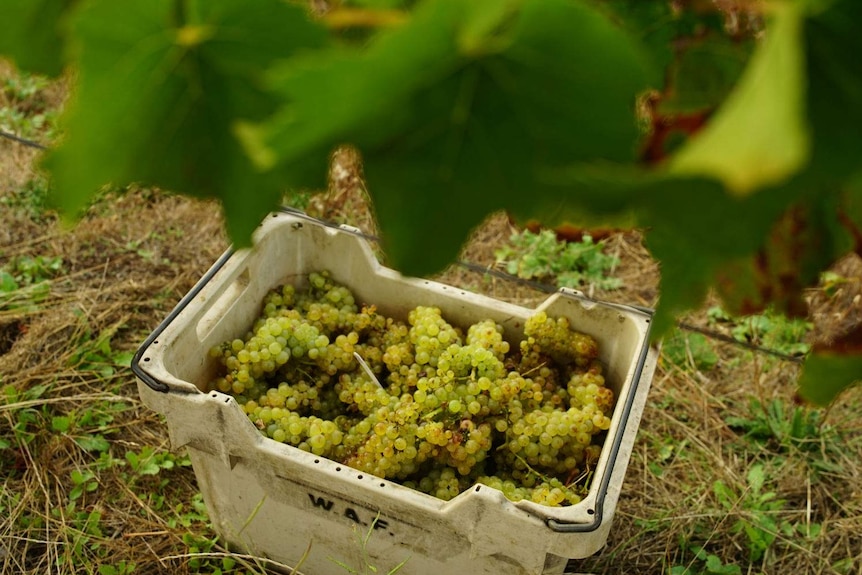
(439, 405)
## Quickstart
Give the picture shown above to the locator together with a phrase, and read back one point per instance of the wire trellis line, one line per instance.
(22, 141)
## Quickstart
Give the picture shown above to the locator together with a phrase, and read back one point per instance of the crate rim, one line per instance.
(555, 525)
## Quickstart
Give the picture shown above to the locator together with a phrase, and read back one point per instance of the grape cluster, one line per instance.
(422, 402)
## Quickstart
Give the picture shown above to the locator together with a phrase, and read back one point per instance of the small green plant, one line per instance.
(187, 514)
(800, 427)
(784, 429)
(705, 564)
(94, 352)
(24, 281)
(756, 510)
(83, 482)
(366, 567)
(27, 421)
(26, 124)
(22, 87)
(26, 112)
(88, 427)
(199, 545)
(691, 351)
(30, 270)
(82, 531)
(31, 198)
(107, 461)
(569, 264)
(150, 462)
(769, 330)
(665, 451)
(120, 568)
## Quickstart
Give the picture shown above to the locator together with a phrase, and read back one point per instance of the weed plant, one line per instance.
(542, 257)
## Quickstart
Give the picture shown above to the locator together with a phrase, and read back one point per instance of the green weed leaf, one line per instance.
(61, 424)
(724, 494)
(756, 478)
(93, 443)
(714, 566)
(540, 256)
(7, 282)
(682, 349)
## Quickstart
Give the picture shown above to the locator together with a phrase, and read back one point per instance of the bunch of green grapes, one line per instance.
(422, 402)
(430, 334)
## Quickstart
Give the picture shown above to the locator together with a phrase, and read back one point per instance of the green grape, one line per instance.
(361, 392)
(441, 482)
(489, 335)
(389, 448)
(471, 360)
(587, 387)
(423, 404)
(430, 334)
(555, 338)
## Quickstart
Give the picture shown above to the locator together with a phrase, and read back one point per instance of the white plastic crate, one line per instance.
(276, 501)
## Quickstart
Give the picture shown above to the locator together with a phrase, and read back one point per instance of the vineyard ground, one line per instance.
(90, 484)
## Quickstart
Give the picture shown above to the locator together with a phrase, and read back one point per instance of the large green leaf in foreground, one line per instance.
(826, 375)
(159, 91)
(758, 137)
(458, 111)
(32, 33)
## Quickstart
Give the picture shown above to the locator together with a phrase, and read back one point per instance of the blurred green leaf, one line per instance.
(456, 119)
(705, 74)
(834, 91)
(185, 82)
(826, 375)
(759, 135)
(34, 33)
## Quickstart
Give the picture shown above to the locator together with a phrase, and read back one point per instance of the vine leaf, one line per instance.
(834, 95)
(692, 226)
(653, 24)
(662, 29)
(832, 369)
(34, 35)
(456, 113)
(800, 244)
(704, 74)
(849, 233)
(759, 136)
(158, 93)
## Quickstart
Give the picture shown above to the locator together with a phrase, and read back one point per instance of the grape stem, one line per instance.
(431, 414)
(546, 478)
(575, 480)
(367, 369)
(531, 470)
(531, 370)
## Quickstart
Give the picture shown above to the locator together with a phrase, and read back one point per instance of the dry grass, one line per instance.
(135, 254)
